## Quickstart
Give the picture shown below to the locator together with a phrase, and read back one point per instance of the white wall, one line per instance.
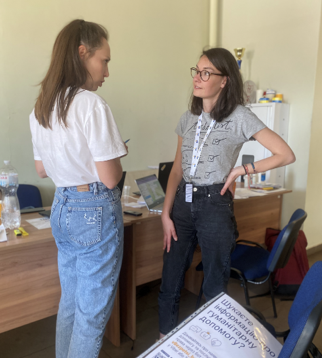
(313, 204)
(281, 41)
(153, 45)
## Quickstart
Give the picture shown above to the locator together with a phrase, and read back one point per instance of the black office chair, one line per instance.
(304, 317)
(29, 196)
(254, 264)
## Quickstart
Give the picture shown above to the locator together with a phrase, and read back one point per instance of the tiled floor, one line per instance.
(37, 340)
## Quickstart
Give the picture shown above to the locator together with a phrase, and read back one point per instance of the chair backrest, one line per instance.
(121, 182)
(29, 195)
(285, 241)
(305, 314)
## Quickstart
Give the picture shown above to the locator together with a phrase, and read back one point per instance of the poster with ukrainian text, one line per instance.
(221, 328)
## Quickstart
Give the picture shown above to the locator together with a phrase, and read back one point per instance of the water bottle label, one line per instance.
(4, 180)
(13, 180)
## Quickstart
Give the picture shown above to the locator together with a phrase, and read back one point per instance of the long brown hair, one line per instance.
(67, 73)
(231, 95)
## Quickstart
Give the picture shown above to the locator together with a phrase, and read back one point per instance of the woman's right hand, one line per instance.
(168, 231)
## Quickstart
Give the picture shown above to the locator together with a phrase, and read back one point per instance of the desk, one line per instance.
(29, 283)
(143, 253)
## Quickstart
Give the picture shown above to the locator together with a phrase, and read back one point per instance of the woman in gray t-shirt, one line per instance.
(198, 207)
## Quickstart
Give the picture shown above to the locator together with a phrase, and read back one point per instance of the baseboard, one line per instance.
(314, 250)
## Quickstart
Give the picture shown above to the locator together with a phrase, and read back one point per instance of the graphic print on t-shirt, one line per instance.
(221, 149)
(204, 170)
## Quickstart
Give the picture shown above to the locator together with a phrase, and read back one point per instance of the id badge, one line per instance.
(189, 193)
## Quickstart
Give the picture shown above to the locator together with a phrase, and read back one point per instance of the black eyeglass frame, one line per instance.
(210, 73)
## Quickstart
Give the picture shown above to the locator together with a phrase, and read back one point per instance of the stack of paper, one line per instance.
(140, 203)
(244, 193)
(40, 223)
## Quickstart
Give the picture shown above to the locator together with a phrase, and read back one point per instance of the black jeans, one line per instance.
(209, 221)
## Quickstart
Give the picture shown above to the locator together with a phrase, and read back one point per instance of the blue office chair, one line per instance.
(303, 319)
(254, 264)
(29, 196)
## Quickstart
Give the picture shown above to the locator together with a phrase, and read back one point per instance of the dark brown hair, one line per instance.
(67, 73)
(231, 95)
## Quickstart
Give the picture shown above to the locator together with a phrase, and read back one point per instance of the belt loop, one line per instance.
(95, 188)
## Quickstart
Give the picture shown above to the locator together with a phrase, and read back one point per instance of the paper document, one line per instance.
(221, 328)
(244, 193)
(267, 191)
(141, 200)
(40, 223)
(134, 204)
(3, 235)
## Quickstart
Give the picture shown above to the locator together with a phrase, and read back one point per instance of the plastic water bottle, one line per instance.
(10, 210)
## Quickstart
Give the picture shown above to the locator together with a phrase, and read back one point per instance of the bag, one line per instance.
(287, 280)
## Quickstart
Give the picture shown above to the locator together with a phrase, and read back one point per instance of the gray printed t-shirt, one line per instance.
(221, 150)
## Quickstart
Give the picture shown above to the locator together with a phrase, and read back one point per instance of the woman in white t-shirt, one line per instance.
(77, 144)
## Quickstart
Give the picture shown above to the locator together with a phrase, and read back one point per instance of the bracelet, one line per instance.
(244, 169)
(252, 164)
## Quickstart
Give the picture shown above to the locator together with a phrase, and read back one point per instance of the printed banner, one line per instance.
(221, 328)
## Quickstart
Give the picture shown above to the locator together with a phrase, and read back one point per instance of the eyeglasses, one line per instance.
(204, 75)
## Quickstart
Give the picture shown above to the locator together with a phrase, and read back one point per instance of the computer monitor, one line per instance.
(163, 175)
(121, 182)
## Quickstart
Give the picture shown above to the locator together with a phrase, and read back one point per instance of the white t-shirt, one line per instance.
(69, 154)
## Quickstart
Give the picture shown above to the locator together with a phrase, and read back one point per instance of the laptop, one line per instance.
(164, 172)
(151, 192)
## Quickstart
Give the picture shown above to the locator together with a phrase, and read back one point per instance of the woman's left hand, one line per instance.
(233, 175)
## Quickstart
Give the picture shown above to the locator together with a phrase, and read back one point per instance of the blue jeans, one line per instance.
(210, 222)
(88, 229)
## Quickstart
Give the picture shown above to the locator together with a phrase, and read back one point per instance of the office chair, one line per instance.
(254, 264)
(29, 196)
(303, 319)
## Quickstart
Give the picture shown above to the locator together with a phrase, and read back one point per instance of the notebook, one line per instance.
(151, 192)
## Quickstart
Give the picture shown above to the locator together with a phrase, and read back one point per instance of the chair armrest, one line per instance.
(252, 243)
(255, 312)
(314, 351)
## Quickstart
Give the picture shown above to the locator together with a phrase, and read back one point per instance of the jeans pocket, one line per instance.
(84, 225)
(116, 194)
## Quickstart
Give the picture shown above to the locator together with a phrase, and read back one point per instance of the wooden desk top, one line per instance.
(261, 197)
(147, 215)
(36, 236)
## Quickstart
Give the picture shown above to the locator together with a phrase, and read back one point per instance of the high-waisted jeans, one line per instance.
(210, 222)
(88, 229)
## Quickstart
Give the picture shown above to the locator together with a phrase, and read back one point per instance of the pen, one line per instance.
(126, 141)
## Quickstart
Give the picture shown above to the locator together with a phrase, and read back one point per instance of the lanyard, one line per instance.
(197, 152)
